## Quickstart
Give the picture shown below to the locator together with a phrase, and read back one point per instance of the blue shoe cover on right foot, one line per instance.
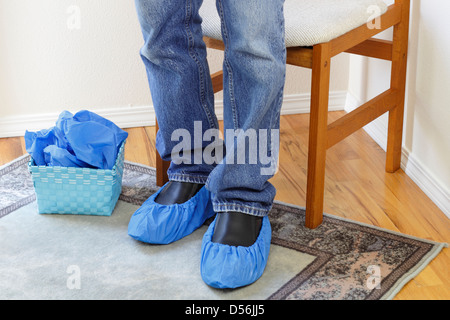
(223, 266)
(163, 224)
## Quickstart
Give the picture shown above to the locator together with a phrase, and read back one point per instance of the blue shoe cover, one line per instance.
(223, 266)
(163, 224)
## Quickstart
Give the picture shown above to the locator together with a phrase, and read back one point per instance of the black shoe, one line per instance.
(236, 229)
(177, 192)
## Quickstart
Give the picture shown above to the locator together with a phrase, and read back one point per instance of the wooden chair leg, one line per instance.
(217, 81)
(318, 135)
(161, 166)
(398, 82)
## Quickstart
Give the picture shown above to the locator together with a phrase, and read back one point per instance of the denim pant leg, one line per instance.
(254, 77)
(174, 55)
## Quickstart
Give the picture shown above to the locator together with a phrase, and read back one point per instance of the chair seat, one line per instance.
(308, 22)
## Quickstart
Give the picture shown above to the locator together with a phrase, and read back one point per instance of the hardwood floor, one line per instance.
(357, 187)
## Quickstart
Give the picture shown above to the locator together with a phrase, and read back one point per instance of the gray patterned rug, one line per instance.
(91, 257)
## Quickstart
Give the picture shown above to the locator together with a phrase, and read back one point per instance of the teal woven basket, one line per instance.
(82, 191)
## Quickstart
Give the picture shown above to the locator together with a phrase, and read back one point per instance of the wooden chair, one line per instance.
(322, 135)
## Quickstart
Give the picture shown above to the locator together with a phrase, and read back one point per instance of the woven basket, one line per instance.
(83, 191)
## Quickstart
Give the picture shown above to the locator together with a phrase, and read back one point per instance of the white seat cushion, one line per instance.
(308, 22)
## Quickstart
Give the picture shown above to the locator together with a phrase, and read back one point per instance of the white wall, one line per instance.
(426, 152)
(45, 67)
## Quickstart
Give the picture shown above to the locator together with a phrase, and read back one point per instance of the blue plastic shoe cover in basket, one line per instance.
(223, 266)
(84, 140)
(163, 224)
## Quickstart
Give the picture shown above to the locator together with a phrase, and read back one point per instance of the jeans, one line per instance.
(175, 58)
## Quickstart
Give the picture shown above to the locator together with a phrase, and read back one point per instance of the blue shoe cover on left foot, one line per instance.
(163, 224)
(223, 266)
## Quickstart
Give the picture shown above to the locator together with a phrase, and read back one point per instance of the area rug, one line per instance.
(90, 257)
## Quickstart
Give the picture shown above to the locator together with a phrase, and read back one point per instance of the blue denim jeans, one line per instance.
(254, 67)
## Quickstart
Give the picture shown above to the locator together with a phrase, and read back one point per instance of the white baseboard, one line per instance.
(125, 117)
(413, 168)
(431, 186)
(301, 103)
(139, 116)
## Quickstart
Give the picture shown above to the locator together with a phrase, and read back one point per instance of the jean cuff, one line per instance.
(180, 177)
(240, 207)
